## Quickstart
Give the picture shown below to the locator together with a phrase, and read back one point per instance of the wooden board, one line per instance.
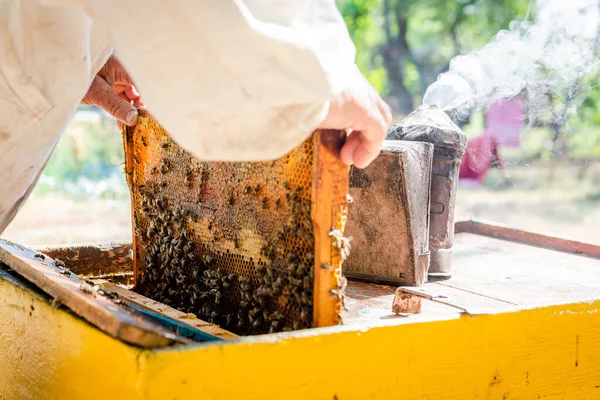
(169, 312)
(529, 238)
(368, 303)
(93, 259)
(68, 290)
(532, 352)
(498, 269)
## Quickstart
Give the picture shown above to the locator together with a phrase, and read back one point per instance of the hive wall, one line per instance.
(237, 243)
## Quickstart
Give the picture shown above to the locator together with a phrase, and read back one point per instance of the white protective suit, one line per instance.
(229, 79)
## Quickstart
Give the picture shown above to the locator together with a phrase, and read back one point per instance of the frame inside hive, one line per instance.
(246, 245)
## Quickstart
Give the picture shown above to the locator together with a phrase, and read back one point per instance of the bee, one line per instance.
(341, 243)
(304, 315)
(278, 202)
(247, 189)
(58, 263)
(230, 318)
(308, 238)
(306, 283)
(257, 189)
(154, 171)
(144, 141)
(265, 202)
(165, 145)
(237, 242)
(286, 185)
(88, 288)
(40, 256)
(308, 224)
(135, 160)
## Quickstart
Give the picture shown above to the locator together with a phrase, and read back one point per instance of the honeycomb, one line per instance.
(249, 246)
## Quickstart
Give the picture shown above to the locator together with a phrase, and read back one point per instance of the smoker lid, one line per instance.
(429, 124)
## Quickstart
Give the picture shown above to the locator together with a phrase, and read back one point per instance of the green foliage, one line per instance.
(87, 162)
(437, 30)
(420, 37)
(90, 150)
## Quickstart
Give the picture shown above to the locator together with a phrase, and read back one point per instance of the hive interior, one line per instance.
(245, 245)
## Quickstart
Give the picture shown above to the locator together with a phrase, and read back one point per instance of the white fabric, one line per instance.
(230, 80)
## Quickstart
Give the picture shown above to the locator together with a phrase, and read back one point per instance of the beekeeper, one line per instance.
(230, 80)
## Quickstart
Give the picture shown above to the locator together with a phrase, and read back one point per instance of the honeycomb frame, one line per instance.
(245, 245)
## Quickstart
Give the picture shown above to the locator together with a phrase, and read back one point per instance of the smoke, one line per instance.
(538, 60)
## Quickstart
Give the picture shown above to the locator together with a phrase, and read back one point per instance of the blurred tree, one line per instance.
(403, 45)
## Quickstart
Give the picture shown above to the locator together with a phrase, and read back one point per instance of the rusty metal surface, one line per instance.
(433, 126)
(389, 216)
(246, 246)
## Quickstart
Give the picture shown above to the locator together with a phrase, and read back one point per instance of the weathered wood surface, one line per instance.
(389, 216)
(502, 269)
(368, 303)
(548, 353)
(530, 238)
(151, 305)
(93, 259)
(80, 297)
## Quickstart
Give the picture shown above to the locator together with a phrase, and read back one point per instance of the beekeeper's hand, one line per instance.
(365, 116)
(113, 91)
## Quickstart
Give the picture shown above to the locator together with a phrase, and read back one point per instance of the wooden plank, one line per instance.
(467, 302)
(530, 238)
(329, 212)
(83, 300)
(370, 303)
(548, 353)
(151, 305)
(93, 259)
(522, 274)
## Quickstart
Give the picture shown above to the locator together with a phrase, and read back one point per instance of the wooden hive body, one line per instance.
(243, 245)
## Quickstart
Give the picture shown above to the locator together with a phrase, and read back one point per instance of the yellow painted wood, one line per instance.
(551, 353)
(48, 353)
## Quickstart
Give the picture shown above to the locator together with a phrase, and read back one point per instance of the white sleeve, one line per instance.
(232, 80)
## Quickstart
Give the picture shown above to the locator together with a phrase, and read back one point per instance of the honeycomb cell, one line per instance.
(233, 243)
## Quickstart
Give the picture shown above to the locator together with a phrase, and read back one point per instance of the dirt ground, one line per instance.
(565, 204)
(56, 219)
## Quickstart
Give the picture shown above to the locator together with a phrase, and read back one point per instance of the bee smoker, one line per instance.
(432, 125)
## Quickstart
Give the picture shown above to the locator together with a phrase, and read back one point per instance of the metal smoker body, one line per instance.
(432, 125)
